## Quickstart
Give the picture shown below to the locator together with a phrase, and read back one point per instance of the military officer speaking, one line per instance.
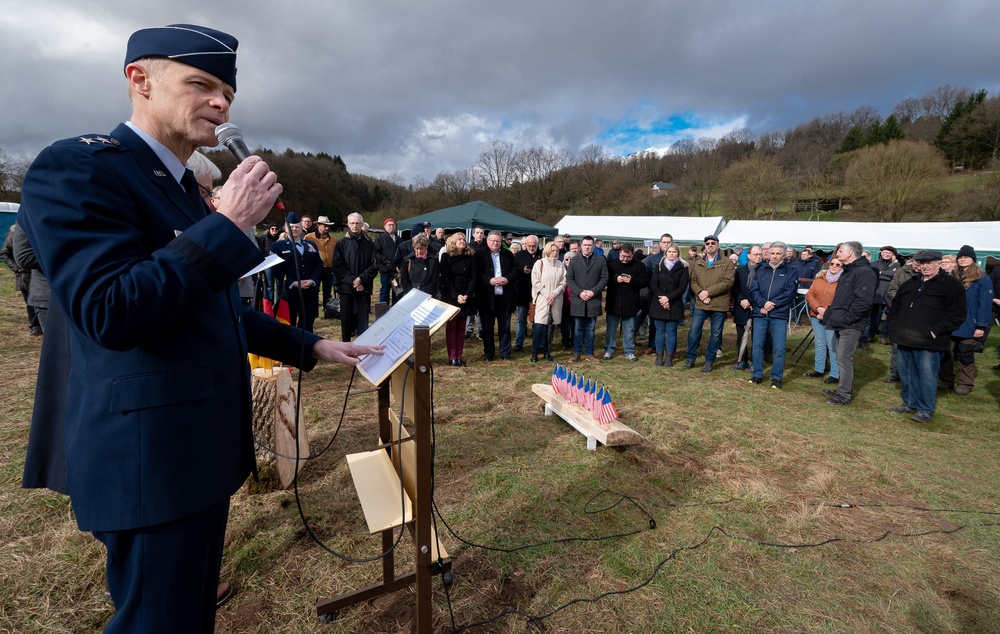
(155, 395)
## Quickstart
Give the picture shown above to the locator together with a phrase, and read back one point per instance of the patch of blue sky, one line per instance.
(636, 134)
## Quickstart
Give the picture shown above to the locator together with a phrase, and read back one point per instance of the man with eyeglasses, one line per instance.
(354, 268)
(495, 294)
(926, 310)
(626, 277)
(586, 277)
(772, 292)
(711, 280)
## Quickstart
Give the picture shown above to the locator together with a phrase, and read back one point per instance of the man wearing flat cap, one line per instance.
(712, 278)
(925, 311)
(146, 410)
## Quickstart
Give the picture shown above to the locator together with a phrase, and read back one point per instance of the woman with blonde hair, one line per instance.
(667, 284)
(819, 297)
(548, 281)
(458, 284)
(973, 331)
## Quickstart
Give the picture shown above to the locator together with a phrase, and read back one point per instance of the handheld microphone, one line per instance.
(230, 135)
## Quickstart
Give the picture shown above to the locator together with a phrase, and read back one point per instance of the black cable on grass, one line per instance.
(535, 620)
(907, 506)
(402, 493)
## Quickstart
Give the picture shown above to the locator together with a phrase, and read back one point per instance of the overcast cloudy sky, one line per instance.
(419, 87)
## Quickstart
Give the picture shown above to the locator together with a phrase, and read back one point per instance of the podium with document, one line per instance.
(393, 480)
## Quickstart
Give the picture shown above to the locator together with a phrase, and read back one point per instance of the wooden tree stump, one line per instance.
(273, 394)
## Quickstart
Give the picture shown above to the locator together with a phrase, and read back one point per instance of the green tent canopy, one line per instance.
(478, 213)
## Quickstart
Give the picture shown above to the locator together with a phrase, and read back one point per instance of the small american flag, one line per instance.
(595, 407)
(608, 411)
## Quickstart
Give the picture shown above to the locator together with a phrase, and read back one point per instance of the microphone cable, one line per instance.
(402, 496)
(534, 621)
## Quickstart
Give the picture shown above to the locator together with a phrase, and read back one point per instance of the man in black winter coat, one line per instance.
(847, 315)
(626, 277)
(385, 256)
(355, 268)
(926, 310)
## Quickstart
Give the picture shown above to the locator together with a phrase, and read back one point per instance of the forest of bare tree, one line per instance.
(893, 168)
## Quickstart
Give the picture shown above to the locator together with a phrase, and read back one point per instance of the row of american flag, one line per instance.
(577, 389)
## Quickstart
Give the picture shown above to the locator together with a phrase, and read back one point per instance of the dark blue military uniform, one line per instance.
(302, 312)
(157, 397)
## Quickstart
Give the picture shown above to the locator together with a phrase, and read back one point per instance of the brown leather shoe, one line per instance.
(225, 592)
(591, 358)
(574, 359)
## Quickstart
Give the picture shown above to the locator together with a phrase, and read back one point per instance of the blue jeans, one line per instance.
(583, 337)
(269, 284)
(385, 280)
(825, 345)
(521, 327)
(918, 374)
(628, 334)
(666, 334)
(779, 332)
(539, 338)
(698, 317)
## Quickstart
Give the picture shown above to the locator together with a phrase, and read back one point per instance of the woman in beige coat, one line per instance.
(548, 281)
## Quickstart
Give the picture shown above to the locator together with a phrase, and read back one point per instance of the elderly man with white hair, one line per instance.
(354, 268)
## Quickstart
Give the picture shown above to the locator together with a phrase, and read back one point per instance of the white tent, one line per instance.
(684, 229)
(907, 237)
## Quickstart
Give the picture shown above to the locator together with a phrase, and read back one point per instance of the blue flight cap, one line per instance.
(206, 49)
(292, 219)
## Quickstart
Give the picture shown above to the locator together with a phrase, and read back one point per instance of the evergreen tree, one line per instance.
(853, 140)
(892, 130)
(875, 135)
(953, 151)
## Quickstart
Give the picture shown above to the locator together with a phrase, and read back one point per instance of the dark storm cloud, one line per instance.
(419, 88)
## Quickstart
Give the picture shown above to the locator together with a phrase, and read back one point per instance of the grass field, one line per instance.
(740, 480)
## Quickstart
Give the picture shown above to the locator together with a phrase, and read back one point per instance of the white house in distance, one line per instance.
(661, 189)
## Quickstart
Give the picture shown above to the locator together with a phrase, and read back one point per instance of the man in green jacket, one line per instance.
(711, 279)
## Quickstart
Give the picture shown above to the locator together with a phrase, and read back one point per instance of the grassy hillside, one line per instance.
(743, 483)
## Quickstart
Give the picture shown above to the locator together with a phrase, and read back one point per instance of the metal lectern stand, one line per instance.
(420, 527)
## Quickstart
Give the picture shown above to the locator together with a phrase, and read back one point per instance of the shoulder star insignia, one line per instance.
(87, 140)
(103, 139)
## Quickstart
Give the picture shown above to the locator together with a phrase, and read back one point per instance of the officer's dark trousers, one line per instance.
(164, 578)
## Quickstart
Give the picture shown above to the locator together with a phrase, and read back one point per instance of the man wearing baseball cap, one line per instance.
(153, 351)
(385, 255)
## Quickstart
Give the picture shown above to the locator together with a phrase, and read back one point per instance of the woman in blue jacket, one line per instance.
(979, 306)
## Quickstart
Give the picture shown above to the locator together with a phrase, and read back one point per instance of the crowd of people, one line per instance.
(851, 299)
(143, 308)
(566, 285)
